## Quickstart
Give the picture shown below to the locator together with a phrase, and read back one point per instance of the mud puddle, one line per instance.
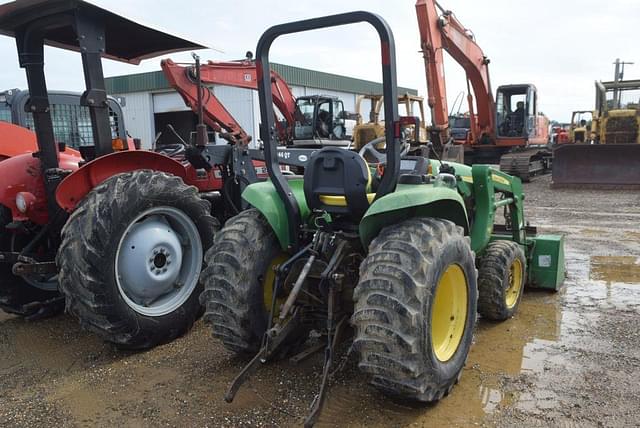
(615, 269)
(500, 351)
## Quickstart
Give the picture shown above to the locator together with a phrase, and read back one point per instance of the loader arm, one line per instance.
(239, 74)
(441, 31)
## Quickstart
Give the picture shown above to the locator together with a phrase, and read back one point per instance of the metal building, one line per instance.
(149, 104)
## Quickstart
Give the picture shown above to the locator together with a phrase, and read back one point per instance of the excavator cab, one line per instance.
(322, 121)
(516, 111)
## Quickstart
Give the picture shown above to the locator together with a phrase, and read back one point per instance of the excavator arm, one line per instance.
(441, 31)
(239, 74)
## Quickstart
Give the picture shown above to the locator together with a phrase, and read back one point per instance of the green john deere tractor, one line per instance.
(401, 247)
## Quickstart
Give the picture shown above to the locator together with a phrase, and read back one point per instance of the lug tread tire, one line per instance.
(493, 279)
(86, 257)
(233, 294)
(396, 286)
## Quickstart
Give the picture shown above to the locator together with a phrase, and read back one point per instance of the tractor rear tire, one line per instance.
(501, 280)
(131, 256)
(415, 308)
(17, 296)
(234, 280)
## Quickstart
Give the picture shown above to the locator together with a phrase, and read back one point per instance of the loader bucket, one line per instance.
(598, 165)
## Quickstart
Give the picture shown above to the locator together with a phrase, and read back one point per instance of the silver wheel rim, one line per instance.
(158, 261)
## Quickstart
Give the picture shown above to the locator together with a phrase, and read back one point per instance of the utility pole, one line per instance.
(619, 76)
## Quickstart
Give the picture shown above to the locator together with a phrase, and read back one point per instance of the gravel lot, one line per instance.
(570, 358)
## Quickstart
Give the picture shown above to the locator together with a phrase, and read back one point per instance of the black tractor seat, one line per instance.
(338, 181)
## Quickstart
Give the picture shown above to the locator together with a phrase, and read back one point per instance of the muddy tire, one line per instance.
(131, 255)
(501, 280)
(236, 265)
(17, 296)
(412, 339)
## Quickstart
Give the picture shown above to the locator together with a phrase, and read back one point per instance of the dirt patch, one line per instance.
(567, 358)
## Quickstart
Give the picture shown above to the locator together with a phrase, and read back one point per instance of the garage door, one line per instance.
(168, 102)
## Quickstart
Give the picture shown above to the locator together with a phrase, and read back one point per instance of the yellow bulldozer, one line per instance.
(618, 104)
(610, 155)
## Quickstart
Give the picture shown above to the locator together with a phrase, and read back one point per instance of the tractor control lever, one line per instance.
(444, 167)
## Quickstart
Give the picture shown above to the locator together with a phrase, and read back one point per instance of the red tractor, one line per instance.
(115, 235)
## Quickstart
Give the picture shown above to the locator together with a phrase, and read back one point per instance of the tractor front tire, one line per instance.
(501, 280)
(415, 308)
(131, 256)
(237, 267)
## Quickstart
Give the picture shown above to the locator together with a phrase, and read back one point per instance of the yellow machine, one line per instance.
(613, 157)
(410, 105)
(618, 104)
(584, 127)
(364, 132)
(414, 106)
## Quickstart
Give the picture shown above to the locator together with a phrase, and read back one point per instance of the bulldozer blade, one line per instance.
(598, 165)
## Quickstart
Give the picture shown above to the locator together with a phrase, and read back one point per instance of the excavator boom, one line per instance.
(239, 74)
(243, 74)
(440, 30)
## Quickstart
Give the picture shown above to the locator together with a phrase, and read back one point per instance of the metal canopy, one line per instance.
(622, 84)
(126, 40)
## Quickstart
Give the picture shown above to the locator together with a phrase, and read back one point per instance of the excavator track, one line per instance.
(526, 164)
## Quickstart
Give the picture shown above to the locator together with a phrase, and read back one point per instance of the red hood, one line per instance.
(16, 140)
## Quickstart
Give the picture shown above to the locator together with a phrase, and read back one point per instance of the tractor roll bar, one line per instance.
(268, 129)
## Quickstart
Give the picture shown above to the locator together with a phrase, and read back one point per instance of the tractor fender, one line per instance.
(78, 184)
(23, 173)
(264, 197)
(410, 201)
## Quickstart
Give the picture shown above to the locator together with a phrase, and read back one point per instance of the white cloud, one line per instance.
(560, 46)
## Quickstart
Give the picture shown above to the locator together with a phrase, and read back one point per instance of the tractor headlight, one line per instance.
(21, 203)
(446, 180)
(24, 201)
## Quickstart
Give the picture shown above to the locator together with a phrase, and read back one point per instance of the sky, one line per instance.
(561, 46)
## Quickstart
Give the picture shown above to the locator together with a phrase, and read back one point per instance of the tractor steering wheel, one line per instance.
(370, 149)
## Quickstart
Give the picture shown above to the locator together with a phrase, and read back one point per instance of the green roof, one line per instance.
(295, 76)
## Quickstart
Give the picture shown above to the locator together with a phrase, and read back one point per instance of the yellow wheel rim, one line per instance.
(515, 283)
(449, 313)
(269, 280)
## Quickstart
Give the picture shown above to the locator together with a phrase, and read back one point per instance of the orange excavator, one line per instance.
(508, 129)
(313, 120)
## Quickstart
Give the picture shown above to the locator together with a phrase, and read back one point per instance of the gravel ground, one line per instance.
(566, 359)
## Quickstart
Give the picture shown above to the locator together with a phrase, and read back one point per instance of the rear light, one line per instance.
(117, 144)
